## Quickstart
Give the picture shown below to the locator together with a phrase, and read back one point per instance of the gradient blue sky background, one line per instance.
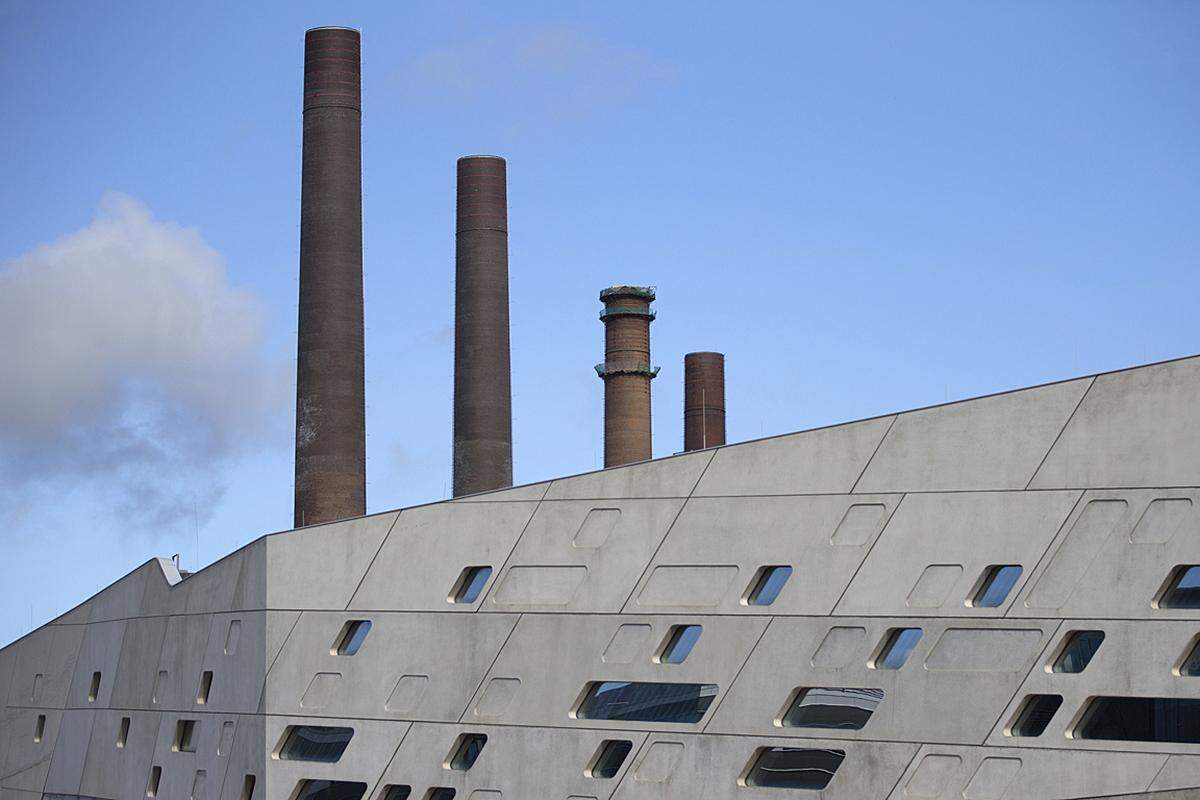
(867, 206)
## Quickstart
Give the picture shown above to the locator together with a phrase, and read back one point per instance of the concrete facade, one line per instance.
(1090, 486)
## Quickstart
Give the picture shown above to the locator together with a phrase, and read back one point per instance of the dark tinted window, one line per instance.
(396, 792)
(1078, 652)
(998, 581)
(1184, 589)
(768, 583)
(1142, 719)
(470, 584)
(466, 750)
(315, 743)
(900, 643)
(352, 636)
(679, 644)
(794, 767)
(331, 790)
(847, 709)
(647, 702)
(1036, 714)
(440, 793)
(608, 761)
(185, 736)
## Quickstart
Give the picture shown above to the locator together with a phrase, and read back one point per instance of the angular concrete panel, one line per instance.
(506, 764)
(551, 688)
(994, 773)
(992, 442)
(430, 546)
(786, 660)
(1106, 573)
(822, 461)
(560, 575)
(1136, 428)
(747, 534)
(971, 530)
(321, 567)
(666, 478)
(452, 651)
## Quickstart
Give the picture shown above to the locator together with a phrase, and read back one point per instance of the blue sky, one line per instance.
(866, 206)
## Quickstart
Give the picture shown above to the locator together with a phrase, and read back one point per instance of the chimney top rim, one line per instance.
(627, 290)
(333, 28)
(481, 155)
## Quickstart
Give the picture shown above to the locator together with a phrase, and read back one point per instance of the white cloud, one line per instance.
(129, 364)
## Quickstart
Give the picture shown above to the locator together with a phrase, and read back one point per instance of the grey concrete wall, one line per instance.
(1090, 486)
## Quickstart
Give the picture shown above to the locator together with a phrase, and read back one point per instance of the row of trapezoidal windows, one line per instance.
(1182, 589)
(1123, 719)
(770, 767)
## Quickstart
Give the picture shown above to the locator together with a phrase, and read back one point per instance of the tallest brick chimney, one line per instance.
(627, 373)
(330, 405)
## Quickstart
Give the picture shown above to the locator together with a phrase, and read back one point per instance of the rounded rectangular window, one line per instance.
(998, 581)
(315, 743)
(1035, 714)
(896, 648)
(396, 792)
(609, 758)
(646, 702)
(768, 583)
(1183, 589)
(1190, 667)
(330, 790)
(794, 767)
(470, 584)
(1141, 719)
(466, 751)
(1077, 653)
(836, 708)
(679, 643)
(353, 634)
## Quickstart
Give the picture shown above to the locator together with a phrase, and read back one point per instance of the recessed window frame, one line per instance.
(1024, 725)
(1095, 705)
(123, 732)
(351, 637)
(787, 717)
(39, 728)
(1057, 664)
(298, 743)
(248, 783)
(891, 640)
(440, 793)
(154, 781)
(993, 576)
(591, 704)
(396, 791)
(94, 687)
(610, 757)
(185, 736)
(468, 747)
(304, 785)
(205, 688)
(753, 776)
(678, 644)
(1189, 665)
(1167, 597)
(768, 583)
(471, 583)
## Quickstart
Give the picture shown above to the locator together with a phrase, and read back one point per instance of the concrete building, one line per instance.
(994, 599)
